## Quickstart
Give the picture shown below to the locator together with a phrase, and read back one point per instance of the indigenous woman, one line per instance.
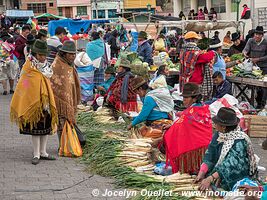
(157, 105)
(120, 93)
(230, 156)
(160, 78)
(187, 139)
(33, 106)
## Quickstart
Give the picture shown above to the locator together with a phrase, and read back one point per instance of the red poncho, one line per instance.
(188, 138)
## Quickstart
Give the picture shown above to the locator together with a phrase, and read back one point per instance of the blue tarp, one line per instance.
(73, 26)
(19, 13)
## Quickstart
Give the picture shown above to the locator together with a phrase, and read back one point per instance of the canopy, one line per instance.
(199, 26)
(73, 26)
(19, 13)
(48, 15)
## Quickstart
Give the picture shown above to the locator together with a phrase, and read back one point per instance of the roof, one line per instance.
(19, 13)
(48, 15)
(65, 3)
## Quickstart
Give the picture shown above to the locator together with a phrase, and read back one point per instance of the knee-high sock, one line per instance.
(43, 142)
(36, 146)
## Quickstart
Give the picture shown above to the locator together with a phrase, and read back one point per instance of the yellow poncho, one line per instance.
(33, 93)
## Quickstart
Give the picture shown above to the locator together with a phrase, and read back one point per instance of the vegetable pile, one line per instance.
(112, 151)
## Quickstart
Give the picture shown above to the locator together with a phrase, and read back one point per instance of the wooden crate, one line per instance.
(257, 126)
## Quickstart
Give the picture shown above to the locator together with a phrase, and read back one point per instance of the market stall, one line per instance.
(247, 83)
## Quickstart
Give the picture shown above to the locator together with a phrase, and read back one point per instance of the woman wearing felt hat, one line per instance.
(121, 94)
(33, 105)
(186, 141)
(230, 156)
(156, 111)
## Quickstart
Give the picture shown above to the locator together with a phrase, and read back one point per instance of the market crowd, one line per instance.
(50, 78)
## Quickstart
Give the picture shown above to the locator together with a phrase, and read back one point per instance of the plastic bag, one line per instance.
(69, 142)
(247, 65)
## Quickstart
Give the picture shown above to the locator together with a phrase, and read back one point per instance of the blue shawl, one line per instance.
(95, 49)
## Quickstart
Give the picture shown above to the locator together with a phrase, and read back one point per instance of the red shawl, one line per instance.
(115, 97)
(188, 138)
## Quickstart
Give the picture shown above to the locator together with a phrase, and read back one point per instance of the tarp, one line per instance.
(48, 15)
(73, 26)
(19, 13)
(199, 26)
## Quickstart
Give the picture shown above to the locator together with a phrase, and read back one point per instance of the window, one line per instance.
(186, 5)
(37, 7)
(219, 6)
(51, 4)
(112, 13)
(81, 10)
(101, 14)
(1, 3)
(60, 12)
(201, 3)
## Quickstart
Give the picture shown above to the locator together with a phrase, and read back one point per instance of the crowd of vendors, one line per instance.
(127, 71)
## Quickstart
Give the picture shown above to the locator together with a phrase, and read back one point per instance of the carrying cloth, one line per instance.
(66, 87)
(69, 142)
(188, 138)
(32, 96)
(188, 58)
(154, 129)
(163, 99)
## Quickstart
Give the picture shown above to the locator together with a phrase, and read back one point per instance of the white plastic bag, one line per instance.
(247, 65)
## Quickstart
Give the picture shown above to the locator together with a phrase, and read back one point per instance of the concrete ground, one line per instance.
(21, 180)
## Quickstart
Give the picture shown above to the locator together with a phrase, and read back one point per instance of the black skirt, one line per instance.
(43, 127)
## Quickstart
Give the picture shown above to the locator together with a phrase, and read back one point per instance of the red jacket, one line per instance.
(197, 76)
(20, 43)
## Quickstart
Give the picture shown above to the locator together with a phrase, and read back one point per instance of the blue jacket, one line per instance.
(145, 51)
(148, 112)
(224, 88)
(108, 83)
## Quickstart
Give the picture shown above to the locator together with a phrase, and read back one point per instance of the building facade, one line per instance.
(74, 9)
(227, 10)
(40, 6)
(8, 5)
(139, 5)
(106, 9)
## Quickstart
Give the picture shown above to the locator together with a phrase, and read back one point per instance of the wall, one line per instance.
(52, 10)
(130, 4)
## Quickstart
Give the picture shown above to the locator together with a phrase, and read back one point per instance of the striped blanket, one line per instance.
(86, 76)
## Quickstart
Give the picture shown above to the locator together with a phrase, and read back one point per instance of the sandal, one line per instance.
(49, 157)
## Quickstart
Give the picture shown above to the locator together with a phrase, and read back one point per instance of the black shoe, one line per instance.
(49, 157)
(35, 161)
(11, 92)
(5, 93)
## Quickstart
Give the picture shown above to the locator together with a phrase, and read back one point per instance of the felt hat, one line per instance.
(191, 89)
(110, 70)
(40, 47)
(226, 117)
(125, 63)
(42, 32)
(137, 82)
(191, 35)
(68, 47)
(235, 36)
(259, 30)
(142, 35)
(245, 5)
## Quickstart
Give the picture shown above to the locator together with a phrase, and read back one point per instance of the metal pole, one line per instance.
(253, 13)
(96, 9)
(237, 14)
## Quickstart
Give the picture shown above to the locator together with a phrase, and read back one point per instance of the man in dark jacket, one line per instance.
(238, 45)
(144, 48)
(20, 44)
(16, 33)
(112, 41)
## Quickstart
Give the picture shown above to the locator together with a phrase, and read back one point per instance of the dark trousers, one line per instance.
(261, 97)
